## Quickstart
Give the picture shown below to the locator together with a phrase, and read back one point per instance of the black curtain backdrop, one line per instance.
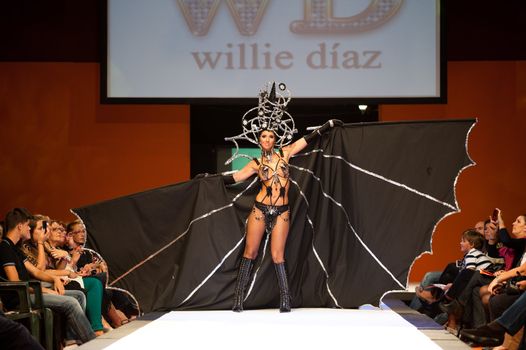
(365, 200)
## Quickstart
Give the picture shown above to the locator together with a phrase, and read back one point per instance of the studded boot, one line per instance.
(284, 293)
(243, 275)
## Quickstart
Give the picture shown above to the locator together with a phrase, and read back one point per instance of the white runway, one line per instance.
(268, 329)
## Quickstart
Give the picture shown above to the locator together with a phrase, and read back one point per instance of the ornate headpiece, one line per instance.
(270, 114)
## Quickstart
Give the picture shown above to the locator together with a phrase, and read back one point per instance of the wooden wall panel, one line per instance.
(60, 148)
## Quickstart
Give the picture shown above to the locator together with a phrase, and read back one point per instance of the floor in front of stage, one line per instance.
(367, 328)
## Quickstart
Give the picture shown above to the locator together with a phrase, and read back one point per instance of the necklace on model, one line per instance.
(267, 154)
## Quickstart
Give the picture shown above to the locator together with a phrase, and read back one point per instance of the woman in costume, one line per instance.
(272, 127)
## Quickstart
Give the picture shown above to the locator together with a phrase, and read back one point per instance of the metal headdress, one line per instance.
(270, 114)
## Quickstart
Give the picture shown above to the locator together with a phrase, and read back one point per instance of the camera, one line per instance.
(495, 215)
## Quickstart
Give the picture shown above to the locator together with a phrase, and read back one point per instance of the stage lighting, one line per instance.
(362, 108)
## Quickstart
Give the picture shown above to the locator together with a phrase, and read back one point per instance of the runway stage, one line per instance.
(268, 329)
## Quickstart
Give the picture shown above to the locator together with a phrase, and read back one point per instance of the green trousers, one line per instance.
(94, 289)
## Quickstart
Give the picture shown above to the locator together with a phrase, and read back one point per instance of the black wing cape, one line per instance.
(365, 200)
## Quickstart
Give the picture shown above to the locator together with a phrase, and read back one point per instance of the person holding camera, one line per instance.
(507, 286)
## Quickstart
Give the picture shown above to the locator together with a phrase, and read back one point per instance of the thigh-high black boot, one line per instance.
(243, 275)
(284, 294)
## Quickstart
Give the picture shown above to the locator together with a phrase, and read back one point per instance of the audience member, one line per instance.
(469, 304)
(506, 288)
(501, 256)
(432, 288)
(491, 280)
(59, 252)
(60, 265)
(88, 262)
(474, 259)
(16, 267)
(33, 249)
(492, 334)
(479, 227)
(14, 336)
(518, 240)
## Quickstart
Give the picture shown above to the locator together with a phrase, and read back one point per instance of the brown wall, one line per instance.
(61, 149)
(495, 93)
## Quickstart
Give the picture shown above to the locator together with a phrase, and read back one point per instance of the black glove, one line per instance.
(322, 129)
(228, 179)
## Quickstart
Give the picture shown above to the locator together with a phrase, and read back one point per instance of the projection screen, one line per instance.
(195, 50)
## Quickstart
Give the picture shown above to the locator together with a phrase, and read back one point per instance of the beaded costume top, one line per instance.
(281, 171)
(274, 177)
(270, 115)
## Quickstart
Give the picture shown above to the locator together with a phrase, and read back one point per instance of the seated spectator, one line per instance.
(506, 289)
(501, 256)
(469, 304)
(474, 298)
(478, 288)
(517, 239)
(432, 288)
(479, 227)
(16, 267)
(471, 244)
(33, 248)
(427, 295)
(60, 265)
(34, 251)
(511, 321)
(58, 258)
(83, 259)
(474, 259)
(87, 262)
(14, 336)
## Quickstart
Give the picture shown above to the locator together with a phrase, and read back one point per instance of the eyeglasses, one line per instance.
(61, 229)
(78, 231)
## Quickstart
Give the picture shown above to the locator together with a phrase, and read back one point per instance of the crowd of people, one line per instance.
(73, 278)
(480, 298)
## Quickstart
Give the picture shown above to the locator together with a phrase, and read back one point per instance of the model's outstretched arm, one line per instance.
(305, 140)
(243, 174)
(248, 170)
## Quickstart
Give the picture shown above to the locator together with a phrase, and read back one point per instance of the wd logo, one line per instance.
(318, 17)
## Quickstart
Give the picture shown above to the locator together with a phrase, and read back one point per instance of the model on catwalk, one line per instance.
(271, 127)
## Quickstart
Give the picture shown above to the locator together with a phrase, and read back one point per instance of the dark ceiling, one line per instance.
(70, 31)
